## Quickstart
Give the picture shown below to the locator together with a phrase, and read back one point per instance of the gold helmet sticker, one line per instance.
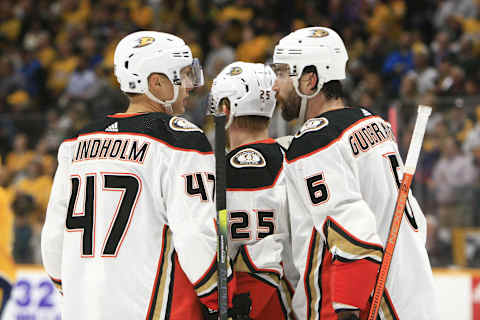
(144, 41)
(235, 71)
(318, 33)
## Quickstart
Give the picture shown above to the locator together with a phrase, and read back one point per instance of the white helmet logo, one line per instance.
(144, 41)
(235, 71)
(318, 33)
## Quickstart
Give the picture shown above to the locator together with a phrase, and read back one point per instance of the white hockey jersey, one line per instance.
(129, 230)
(257, 209)
(343, 174)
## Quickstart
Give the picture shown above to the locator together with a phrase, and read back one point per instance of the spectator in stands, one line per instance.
(23, 207)
(473, 137)
(425, 74)
(82, 83)
(453, 175)
(475, 151)
(219, 56)
(21, 155)
(399, 62)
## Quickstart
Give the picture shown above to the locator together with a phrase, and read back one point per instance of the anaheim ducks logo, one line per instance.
(144, 41)
(312, 125)
(235, 71)
(180, 124)
(318, 33)
(248, 158)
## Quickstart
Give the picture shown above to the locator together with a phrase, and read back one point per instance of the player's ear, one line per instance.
(312, 84)
(153, 82)
(225, 105)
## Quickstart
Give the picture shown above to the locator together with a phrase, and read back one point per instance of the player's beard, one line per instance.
(290, 105)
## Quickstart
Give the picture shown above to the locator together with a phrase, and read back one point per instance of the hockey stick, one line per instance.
(220, 195)
(410, 166)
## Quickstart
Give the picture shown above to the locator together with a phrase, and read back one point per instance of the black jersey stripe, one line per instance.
(156, 300)
(198, 150)
(170, 288)
(208, 280)
(339, 121)
(248, 178)
(154, 125)
(387, 307)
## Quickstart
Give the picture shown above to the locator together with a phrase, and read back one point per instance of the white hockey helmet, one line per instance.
(142, 53)
(248, 87)
(320, 47)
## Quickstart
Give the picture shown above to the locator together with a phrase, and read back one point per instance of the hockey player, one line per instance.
(256, 192)
(129, 230)
(343, 174)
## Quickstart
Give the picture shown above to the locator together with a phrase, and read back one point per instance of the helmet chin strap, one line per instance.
(167, 104)
(230, 120)
(303, 105)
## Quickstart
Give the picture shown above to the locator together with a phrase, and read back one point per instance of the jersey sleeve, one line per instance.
(191, 214)
(54, 227)
(324, 192)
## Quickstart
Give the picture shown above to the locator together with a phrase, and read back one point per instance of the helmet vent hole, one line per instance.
(126, 64)
(328, 67)
(299, 41)
(131, 55)
(246, 87)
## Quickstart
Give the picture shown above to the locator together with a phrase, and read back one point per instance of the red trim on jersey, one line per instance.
(266, 141)
(266, 300)
(351, 235)
(124, 115)
(55, 280)
(185, 304)
(334, 140)
(260, 188)
(69, 140)
(326, 284)
(145, 136)
(352, 282)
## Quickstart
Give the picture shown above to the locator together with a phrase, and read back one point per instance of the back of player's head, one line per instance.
(248, 89)
(142, 53)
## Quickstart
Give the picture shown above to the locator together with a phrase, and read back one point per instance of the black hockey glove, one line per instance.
(349, 317)
(241, 307)
(240, 311)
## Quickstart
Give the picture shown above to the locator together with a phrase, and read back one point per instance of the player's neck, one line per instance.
(319, 105)
(238, 137)
(144, 105)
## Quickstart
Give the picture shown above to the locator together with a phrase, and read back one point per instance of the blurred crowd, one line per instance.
(56, 74)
